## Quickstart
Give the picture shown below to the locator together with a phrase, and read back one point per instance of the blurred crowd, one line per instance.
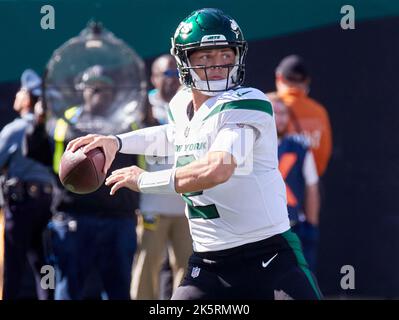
(129, 246)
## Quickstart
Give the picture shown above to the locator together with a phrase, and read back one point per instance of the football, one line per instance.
(82, 173)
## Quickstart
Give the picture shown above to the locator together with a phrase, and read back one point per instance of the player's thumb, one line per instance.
(110, 150)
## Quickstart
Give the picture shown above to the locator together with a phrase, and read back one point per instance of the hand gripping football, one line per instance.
(82, 173)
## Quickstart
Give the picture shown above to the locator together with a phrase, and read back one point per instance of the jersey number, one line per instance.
(205, 212)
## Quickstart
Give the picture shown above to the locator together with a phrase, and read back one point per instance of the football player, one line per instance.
(223, 138)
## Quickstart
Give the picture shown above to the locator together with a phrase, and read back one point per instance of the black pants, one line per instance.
(269, 269)
(25, 221)
(93, 256)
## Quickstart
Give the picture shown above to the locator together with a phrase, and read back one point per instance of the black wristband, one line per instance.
(119, 143)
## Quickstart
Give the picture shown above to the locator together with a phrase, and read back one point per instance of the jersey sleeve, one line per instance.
(256, 113)
(240, 124)
(151, 141)
(238, 140)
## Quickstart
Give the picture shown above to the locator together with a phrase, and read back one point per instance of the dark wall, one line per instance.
(7, 95)
(355, 77)
(148, 25)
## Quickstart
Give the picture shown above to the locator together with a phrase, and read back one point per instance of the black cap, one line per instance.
(293, 69)
(92, 75)
(96, 73)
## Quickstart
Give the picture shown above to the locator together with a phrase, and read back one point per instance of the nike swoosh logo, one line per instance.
(265, 264)
(241, 94)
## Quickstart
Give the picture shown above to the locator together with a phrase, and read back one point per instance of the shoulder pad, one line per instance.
(181, 98)
(243, 93)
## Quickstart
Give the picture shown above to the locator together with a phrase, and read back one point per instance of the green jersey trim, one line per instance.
(203, 212)
(248, 104)
(196, 212)
(171, 115)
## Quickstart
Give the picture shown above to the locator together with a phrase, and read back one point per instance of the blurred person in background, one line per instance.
(93, 235)
(307, 116)
(27, 192)
(298, 168)
(163, 225)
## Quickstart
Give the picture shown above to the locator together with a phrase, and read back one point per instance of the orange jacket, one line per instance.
(311, 119)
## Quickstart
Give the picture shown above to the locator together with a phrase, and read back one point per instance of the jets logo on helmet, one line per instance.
(235, 28)
(184, 29)
(209, 29)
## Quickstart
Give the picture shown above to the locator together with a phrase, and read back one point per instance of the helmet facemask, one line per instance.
(190, 78)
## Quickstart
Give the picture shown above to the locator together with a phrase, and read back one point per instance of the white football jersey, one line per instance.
(251, 205)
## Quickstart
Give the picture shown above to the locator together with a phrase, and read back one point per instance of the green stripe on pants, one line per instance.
(295, 244)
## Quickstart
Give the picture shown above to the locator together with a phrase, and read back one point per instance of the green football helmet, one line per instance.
(209, 29)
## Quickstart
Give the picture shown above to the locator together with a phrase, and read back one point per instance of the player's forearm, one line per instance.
(152, 141)
(312, 204)
(215, 168)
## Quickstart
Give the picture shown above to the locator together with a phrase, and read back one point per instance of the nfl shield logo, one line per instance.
(195, 272)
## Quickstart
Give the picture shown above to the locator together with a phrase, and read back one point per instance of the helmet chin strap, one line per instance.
(215, 86)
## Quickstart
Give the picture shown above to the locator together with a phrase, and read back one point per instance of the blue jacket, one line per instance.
(291, 154)
(13, 156)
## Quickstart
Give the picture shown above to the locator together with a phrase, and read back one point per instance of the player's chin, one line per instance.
(217, 78)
